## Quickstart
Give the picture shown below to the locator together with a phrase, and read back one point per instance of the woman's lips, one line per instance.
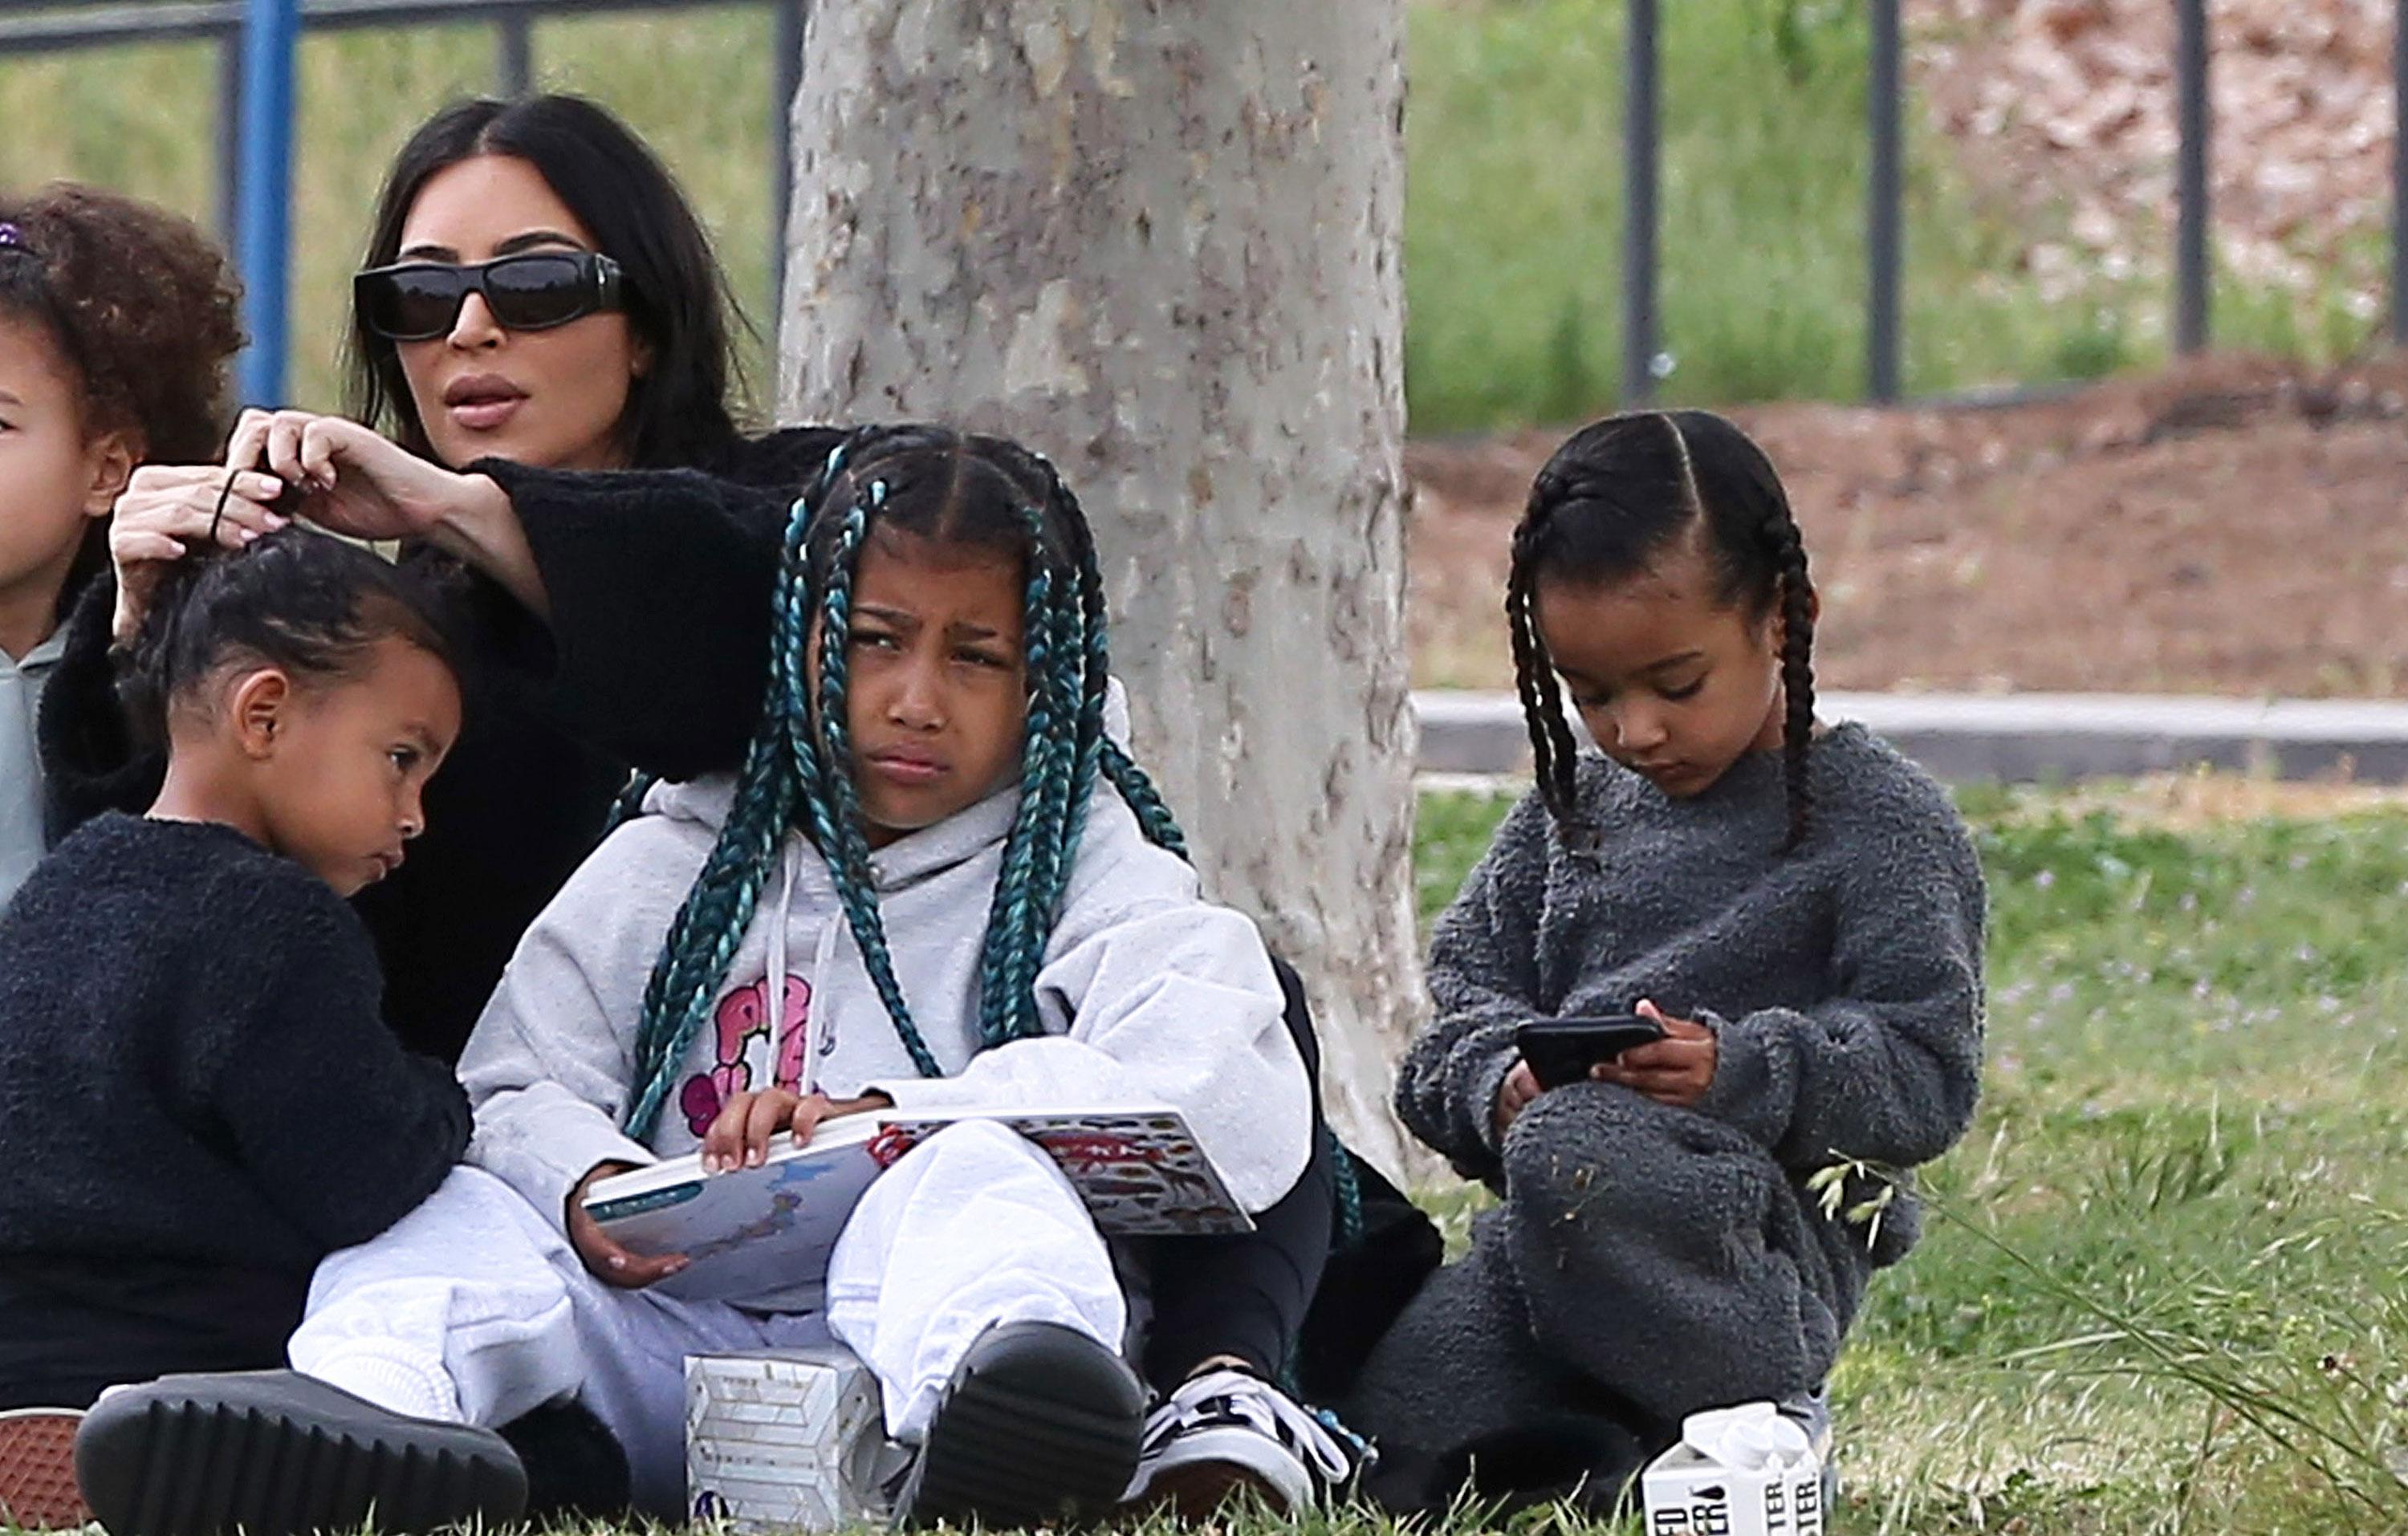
(481, 402)
(484, 415)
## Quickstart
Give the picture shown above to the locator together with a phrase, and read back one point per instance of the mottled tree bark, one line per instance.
(1159, 240)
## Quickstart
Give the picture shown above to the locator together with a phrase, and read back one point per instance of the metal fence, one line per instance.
(256, 41)
(1884, 251)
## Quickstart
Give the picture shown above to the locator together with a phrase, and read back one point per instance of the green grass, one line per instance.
(2161, 1289)
(2182, 1219)
(1512, 217)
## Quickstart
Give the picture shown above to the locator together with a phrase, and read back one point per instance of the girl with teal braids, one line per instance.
(936, 882)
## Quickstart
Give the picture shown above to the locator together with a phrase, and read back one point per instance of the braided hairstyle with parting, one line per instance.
(1615, 496)
(954, 489)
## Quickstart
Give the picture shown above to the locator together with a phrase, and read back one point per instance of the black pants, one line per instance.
(1246, 1295)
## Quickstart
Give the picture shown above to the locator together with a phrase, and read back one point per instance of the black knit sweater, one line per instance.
(197, 1102)
(659, 583)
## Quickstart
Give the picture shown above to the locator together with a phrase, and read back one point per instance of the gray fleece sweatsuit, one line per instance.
(1649, 1262)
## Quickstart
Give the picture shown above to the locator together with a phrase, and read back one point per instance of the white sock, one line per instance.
(394, 1382)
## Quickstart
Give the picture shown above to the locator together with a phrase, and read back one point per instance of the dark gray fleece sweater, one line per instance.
(1650, 1261)
(1843, 980)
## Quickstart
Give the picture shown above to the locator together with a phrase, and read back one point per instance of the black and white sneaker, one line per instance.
(37, 1485)
(1228, 1431)
(1040, 1423)
(276, 1453)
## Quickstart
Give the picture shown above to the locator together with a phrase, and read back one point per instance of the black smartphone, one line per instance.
(1561, 1051)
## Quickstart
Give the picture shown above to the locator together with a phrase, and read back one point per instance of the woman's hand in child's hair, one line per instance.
(362, 485)
(609, 1263)
(1513, 1096)
(740, 1137)
(358, 482)
(165, 509)
(1677, 1070)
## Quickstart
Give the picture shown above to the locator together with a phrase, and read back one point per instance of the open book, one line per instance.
(756, 1231)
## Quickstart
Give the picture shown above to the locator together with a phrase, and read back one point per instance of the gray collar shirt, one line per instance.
(21, 765)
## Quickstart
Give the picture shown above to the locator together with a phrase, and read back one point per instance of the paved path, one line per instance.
(2024, 737)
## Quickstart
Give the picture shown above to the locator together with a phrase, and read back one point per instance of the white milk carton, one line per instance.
(1737, 1471)
(782, 1440)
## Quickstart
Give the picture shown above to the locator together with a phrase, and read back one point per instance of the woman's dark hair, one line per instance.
(677, 297)
(1616, 495)
(934, 483)
(141, 306)
(298, 599)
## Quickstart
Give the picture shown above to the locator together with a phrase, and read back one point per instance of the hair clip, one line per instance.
(11, 238)
(877, 492)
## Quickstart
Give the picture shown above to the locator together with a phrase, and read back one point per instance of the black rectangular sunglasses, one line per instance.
(532, 290)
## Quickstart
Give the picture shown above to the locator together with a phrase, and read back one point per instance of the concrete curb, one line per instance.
(2022, 738)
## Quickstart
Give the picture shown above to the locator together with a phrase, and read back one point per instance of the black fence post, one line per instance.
(1639, 165)
(514, 47)
(2191, 227)
(1883, 237)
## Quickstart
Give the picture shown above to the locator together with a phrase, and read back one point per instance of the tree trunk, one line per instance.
(1159, 240)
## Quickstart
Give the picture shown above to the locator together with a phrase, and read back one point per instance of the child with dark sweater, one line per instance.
(1797, 907)
(186, 998)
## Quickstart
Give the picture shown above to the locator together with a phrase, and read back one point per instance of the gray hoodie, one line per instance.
(1150, 993)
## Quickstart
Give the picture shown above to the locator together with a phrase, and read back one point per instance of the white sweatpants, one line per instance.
(474, 1308)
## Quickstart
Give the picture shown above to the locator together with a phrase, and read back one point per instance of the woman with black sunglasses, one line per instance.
(539, 309)
(540, 329)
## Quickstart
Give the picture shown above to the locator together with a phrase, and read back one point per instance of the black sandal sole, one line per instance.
(278, 1453)
(1041, 1424)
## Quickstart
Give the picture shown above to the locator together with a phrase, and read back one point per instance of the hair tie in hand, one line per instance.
(223, 491)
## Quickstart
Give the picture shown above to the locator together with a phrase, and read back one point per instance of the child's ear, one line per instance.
(109, 460)
(260, 706)
(1780, 630)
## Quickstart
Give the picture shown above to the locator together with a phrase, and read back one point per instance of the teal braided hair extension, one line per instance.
(1095, 681)
(711, 922)
(1007, 971)
(1105, 755)
(1350, 1192)
(1059, 742)
(1154, 816)
(1161, 828)
(1057, 792)
(846, 844)
(630, 803)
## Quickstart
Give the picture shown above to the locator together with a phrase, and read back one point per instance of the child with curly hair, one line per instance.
(116, 321)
